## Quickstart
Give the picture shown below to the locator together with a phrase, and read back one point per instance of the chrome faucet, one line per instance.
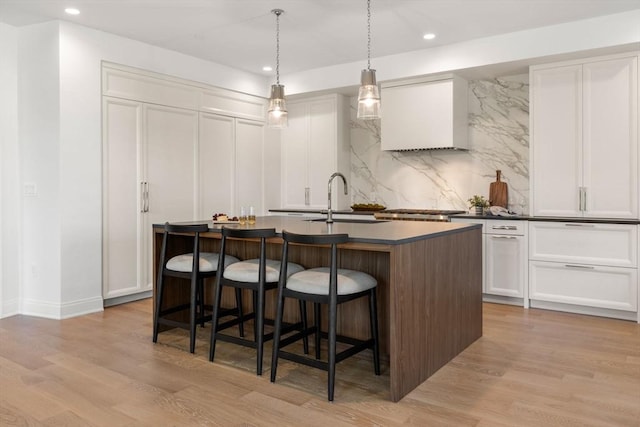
(346, 191)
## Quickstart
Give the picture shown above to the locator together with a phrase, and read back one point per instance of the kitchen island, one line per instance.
(429, 285)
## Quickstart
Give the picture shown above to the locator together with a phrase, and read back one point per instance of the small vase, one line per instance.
(479, 210)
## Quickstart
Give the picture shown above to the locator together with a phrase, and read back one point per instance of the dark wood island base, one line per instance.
(429, 286)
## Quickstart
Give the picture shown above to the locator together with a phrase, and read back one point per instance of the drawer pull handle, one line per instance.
(505, 227)
(504, 237)
(583, 267)
(573, 224)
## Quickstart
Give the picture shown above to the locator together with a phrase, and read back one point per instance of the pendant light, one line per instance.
(368, 95)
(277, 112)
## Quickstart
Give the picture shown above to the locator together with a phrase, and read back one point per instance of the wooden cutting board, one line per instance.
(498, 192)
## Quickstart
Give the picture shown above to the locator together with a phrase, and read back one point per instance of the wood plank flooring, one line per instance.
(531, 368)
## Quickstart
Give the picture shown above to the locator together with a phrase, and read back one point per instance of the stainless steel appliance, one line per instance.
(440, 215)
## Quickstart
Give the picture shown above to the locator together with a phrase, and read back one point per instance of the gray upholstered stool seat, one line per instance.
(208, 262)
(316, 281)
(247, 271)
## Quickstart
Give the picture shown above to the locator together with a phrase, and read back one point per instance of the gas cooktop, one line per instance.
(417, 214)
(424, 211)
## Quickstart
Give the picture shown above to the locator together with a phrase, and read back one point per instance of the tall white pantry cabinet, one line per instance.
(584, 166)
(172, 151)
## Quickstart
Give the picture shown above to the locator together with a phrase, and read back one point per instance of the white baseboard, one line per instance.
(50, 310)
(10, 308)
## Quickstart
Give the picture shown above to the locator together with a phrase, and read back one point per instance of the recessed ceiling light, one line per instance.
(429, 36)
(267, 68)
(72, 11)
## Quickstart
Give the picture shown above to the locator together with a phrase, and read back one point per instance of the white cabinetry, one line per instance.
(505, 260)
(149, 177)
(230, 165)
(425, 113)
(315, 145)
(168, 157)
(590, 268)
(584, 133)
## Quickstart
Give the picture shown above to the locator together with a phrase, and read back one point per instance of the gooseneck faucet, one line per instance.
(346, 191)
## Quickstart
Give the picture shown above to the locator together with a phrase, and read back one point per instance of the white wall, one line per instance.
(9, 174)
(59, 122)
(590, 34)
(39, 140)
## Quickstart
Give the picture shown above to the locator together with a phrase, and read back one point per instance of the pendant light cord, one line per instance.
(368, 34)
(278, 47)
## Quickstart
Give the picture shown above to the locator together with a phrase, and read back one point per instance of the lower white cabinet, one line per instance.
(588, 265)
(585, 285)
(505, 260)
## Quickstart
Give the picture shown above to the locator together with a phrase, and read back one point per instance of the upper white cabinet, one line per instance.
(216, 163)
(425, 114)
(314, 146)
(584, 140)
(231, 153)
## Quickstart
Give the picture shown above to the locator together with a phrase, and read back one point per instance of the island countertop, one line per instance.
(429, 289)
(359, 231)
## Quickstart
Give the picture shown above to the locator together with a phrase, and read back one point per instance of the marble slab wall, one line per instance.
(445, 179)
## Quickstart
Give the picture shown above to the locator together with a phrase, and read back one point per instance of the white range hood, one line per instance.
(425, 114)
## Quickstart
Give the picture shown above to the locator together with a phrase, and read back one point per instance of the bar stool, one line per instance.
(324, 285)
(258, 275)
(184, 266)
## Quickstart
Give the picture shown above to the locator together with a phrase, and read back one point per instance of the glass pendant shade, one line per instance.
(277, 116)
(368, 96)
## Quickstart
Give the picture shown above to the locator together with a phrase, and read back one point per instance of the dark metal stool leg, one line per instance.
(373, 316)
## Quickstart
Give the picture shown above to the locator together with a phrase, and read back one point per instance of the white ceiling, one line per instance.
(313, 33)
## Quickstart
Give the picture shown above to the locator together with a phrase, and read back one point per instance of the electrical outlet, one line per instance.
(30, 189)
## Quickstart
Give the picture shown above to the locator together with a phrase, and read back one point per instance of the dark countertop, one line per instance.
(551, 219)
(323, 211)
(378, 232)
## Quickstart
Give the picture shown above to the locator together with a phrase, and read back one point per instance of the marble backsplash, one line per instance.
(443, 179)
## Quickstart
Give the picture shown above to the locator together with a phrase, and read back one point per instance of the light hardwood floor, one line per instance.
(531, 368)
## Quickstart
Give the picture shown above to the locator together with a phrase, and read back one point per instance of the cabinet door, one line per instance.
(586, 285)
(170, 153)
(294, 157)
(610, 140)
(556, 131)
(249, 165)
(123, 221)
(215, 165)
(505, 262)
(322, 153)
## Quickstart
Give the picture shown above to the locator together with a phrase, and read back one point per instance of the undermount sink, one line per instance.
(349, 221)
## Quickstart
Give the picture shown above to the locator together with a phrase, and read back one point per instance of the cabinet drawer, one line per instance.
(505, 227)
(583, 243)
(605, 287)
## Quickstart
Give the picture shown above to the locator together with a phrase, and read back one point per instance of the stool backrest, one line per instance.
(315, 239)
(251, 233)
(179, 228)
